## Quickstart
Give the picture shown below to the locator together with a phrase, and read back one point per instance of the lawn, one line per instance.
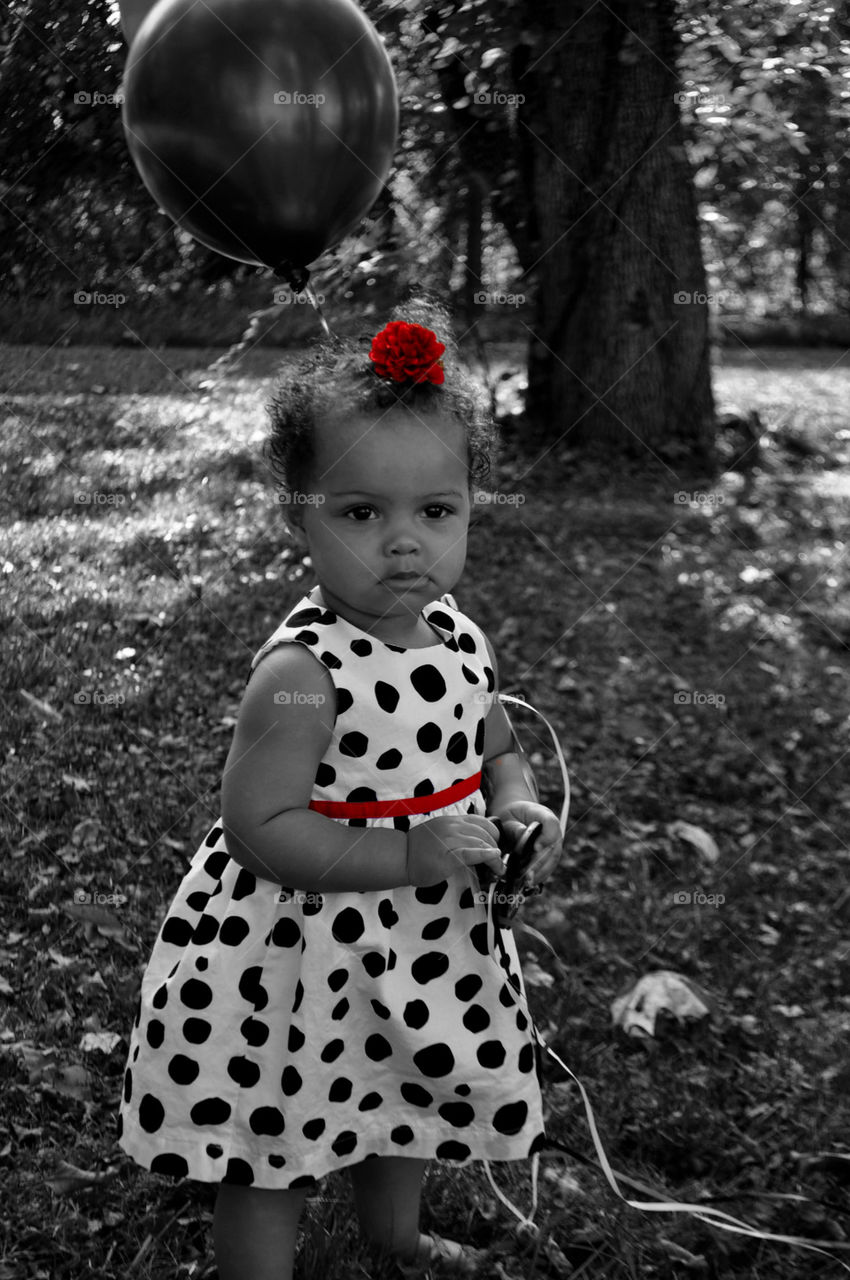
(690, 643)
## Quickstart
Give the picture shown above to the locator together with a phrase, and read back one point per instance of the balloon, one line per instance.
(264, 128)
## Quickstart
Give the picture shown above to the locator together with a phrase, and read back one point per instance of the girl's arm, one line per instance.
(282, 733)
(511, 790)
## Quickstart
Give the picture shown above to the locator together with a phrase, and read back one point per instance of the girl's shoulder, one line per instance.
(303, 625)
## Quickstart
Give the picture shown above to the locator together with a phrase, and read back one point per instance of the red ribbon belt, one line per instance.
(398, 808)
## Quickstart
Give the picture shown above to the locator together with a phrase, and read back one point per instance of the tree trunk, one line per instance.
(619, 352)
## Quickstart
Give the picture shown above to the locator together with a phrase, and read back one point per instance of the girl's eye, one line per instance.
(437, 511)
(361, 512)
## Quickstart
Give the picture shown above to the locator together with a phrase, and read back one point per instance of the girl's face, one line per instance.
(386, 517)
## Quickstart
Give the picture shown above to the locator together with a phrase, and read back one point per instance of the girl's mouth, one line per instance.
(405, 581)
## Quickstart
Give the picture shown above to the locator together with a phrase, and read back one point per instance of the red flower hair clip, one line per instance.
(404, 352)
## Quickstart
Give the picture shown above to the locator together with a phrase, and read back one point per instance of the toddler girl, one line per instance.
(321, 994)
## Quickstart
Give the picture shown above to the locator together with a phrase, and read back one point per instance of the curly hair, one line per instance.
(337, 378)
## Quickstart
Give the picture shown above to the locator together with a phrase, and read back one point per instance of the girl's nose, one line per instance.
(401, 541)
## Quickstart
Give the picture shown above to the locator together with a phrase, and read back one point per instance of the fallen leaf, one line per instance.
(662, 991)
(39, 707)
(99, 1041)
(67, 1178)
(696, 836)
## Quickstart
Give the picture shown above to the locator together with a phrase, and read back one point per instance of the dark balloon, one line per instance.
(265, 128)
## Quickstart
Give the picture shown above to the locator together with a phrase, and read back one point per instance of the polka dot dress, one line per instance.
(283, 1034)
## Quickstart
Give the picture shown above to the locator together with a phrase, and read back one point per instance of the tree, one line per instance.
(575, 117)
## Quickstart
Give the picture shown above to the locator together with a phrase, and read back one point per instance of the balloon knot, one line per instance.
(295, 277)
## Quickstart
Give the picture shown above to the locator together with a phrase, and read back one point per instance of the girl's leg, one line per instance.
(255, 1232)
(387, 1193)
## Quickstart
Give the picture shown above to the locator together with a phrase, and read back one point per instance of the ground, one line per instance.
(689, 640)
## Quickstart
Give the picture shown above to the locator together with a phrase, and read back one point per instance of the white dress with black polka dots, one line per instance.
(282, 1035)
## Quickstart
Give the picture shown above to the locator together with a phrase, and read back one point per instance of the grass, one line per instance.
(693, 655)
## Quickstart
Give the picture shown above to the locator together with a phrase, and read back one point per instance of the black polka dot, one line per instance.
(510, 1118)
(238, 1172)
(325, 775)
(386, 696)
(311, 906)
(233, 931)
(252, 990)
(525, 1062)
(286, 933)
(478, 746)
(176, 931)
(160, 997)
(344, 1144)
(416, 1013)
(468, 675)
(340, 1009)
(201, 963)
(435, 928)
(170, 1164)
(463, 1090)
(243, 1071)
(457, 748)
(416, 1095)
(151, 1113)
(538, 1144)
(381, 1009)
(387, 913)
(344, 701)
(370, 1102)
(246, 883)
(467, 898)
(290, 1081)
(340, 1090)
(430, 966)
(183, 1070)
(428, 682)
(330, 660)
(210, 1111)
(255, 1032)
(478, 938)
(313, 1129)
(361, 647)
(390, 759)
(353, 744)
(216, 864)
(332, 1050)
(277, 1162)
(465, 642)
(521, 1020)
(205, 931)
(468, 986)
(431, 894)
(377, 1048)
(429, 737)
(348, 925)
(402, 823)
(197, 901)
(155, 1033)
(452, 1150)
(128, 1085)
(459, 1114)
(402, 1134)
(196, 994)
(266, 1120)
(359, 794)
(424, 788)
(297, 1039)
(214, 1150)
(374, 963)
(476, 1018)
(338, 979)
(435, 1060)
(440, 619)
(491, 1054)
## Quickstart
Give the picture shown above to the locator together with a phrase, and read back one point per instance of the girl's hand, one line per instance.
(437, 848)
(547, 853)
